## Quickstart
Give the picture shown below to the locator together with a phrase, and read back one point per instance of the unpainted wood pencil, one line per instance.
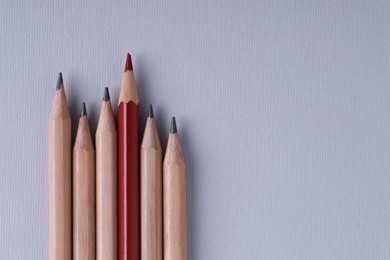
(106, 183)
(174, 198)
(60, 216)
(151, 191)
(84, 243)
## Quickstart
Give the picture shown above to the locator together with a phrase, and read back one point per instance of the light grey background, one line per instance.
(282, 107)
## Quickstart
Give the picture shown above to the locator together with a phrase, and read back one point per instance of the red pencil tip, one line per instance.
(129, 64)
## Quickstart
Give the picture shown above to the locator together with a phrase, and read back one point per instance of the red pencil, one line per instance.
(128, 168)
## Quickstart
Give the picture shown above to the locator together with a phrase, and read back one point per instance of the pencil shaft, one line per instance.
(151, 194)
(174, 204)
(128, 181)
(84, 243)
(106, 185)
(174, 213)
(60, 217)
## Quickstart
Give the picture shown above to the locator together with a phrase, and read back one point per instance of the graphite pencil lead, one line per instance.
(129, 64)
(60, 81)
(106, 95)
(173, 126)
(83, 110)
(150, 113)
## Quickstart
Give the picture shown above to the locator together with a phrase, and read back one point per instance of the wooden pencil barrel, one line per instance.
(60, 216)
(60, 193)
(174, 197)
(106, 185)
(151, 194)
(84, 210)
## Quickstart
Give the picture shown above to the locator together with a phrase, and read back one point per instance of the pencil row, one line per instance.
(124, 201)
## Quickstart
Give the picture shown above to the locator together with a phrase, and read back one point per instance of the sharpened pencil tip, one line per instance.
(173, 126)
(150, 113)
(60, 81)
(129, 64)
(106, 95)
(83, 110)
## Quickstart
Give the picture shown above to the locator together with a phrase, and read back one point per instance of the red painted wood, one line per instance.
(128, 182)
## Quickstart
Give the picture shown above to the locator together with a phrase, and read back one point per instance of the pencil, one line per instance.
(128, 167)
(83, 192)
(174, 196)
(151, 191)
(106, 181)
(60, 218)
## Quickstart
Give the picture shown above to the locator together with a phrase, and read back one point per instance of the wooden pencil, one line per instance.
(151, 191)
(128, 167)
(174, 198)
(106, 181)
(83, 192)
(60, 216)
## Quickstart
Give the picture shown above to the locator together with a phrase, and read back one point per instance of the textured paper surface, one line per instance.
(283, 109)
